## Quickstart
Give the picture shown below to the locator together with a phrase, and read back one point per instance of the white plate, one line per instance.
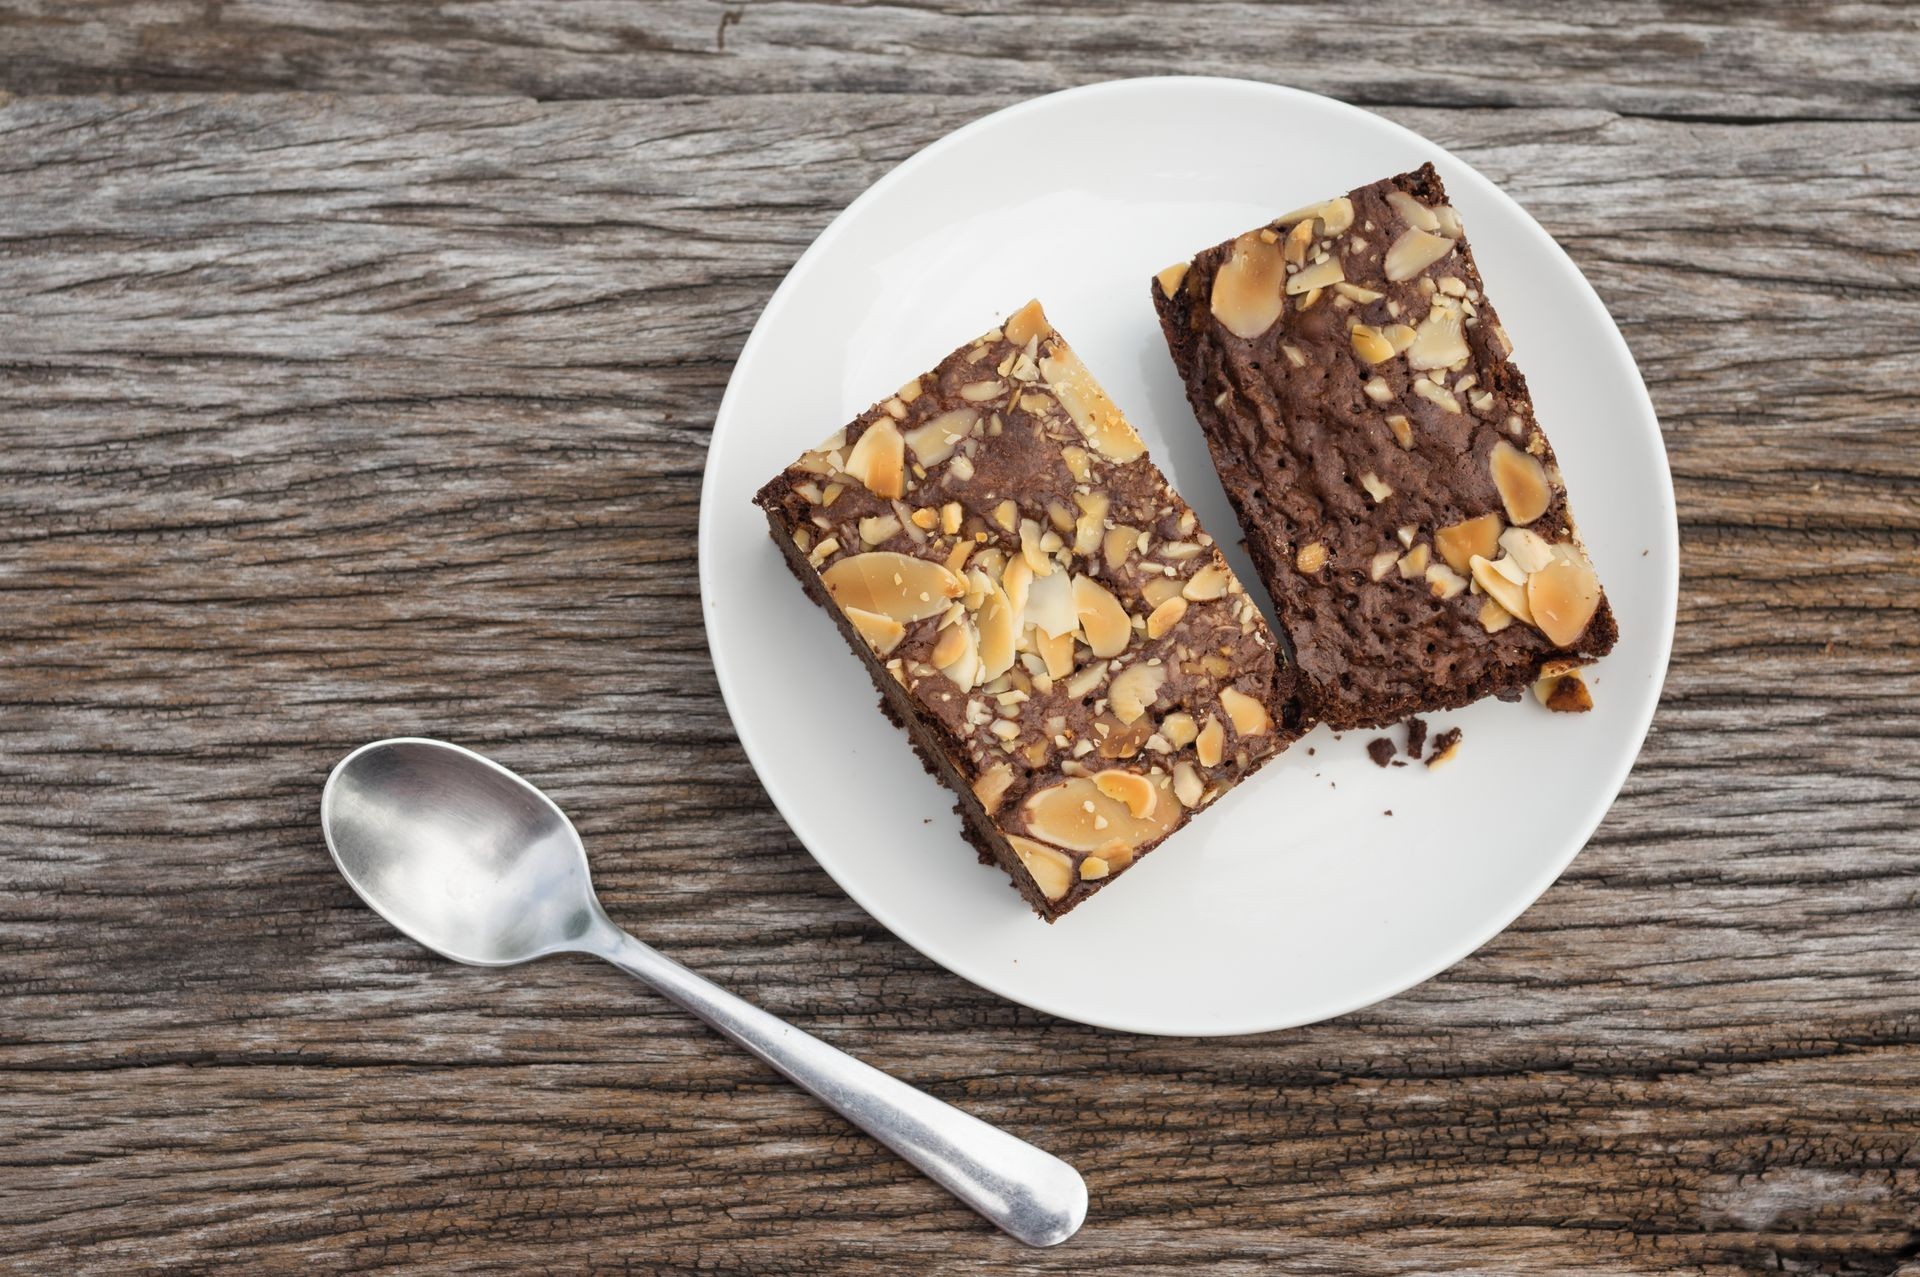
(1296, 897)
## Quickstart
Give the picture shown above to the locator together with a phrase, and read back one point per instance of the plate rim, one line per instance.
(1666, 527)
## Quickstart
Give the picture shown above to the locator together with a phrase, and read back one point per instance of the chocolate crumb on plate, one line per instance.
(1416, 736)
(1562, 690)
(1445, 746)
(1380, 750)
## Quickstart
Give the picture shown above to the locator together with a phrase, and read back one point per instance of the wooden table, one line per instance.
(356, 367)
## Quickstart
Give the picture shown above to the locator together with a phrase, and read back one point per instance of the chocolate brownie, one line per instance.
(1400, 501)
(1061, 639)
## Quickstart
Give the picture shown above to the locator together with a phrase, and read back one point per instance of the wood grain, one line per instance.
(1698, 61)
(325, 417)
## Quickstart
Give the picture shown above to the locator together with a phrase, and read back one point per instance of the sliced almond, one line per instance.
(1500, 588)
(1299, 239)
(1369, 345)
(1311, 558)
(1027, 323)
(1382, 564)
(1413, 252)
(934, 440)
(1439, 342)
(878, 459)
(1050, 605)
(1564, 595)
(1090, 527)
(1521, 481)
(1439, 396)
(1444, 582)
(1186, 784)
(1078, 815)
(877, 528)
(1321, 274)
(1250, 717)
(957, 654)
(1104, 622)
(1528, 548)
(1334, 215)
(1376, 487)
(1179, 729)
(991, 785)
(996, 621)
(1158, 589)
(1402, 430)
(1459, 542)
(882, 633)
(1052, 871)
(1094, 868)
(1099, 420)
(1171, 278)
(1131, 788)
(1210, 582)
(1246, 296)
(1133, 691)
(1035, 553)
(1165, 617)
(1057, 652)
(1493, 617)
(891, 584)
(1414, 562)
(1016, 580)
(1412, 210)
(1210, 745)
(1353, 292)
(1117, 545)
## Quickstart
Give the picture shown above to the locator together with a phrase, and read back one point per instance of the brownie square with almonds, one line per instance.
(1062, 641)
(1405, 510)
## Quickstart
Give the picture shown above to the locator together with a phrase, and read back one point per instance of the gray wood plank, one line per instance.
(329, 418)
(1850, 60)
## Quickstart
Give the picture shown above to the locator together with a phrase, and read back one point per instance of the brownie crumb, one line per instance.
(1416, 736)
(1564, 693)
(1399, 762)
(1380, 750)
(1445, 746)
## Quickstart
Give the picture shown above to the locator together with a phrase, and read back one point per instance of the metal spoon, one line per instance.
(474, 863)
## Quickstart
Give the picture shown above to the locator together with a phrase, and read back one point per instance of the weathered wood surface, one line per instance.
(1702, 61)
(329, 417)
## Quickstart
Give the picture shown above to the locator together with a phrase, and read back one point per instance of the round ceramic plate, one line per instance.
(1297, 896)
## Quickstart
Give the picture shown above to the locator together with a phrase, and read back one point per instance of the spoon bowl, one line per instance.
(458, 852)
(478, 865)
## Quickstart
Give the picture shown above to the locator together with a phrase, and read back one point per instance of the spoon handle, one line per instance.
(1029, 1193)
